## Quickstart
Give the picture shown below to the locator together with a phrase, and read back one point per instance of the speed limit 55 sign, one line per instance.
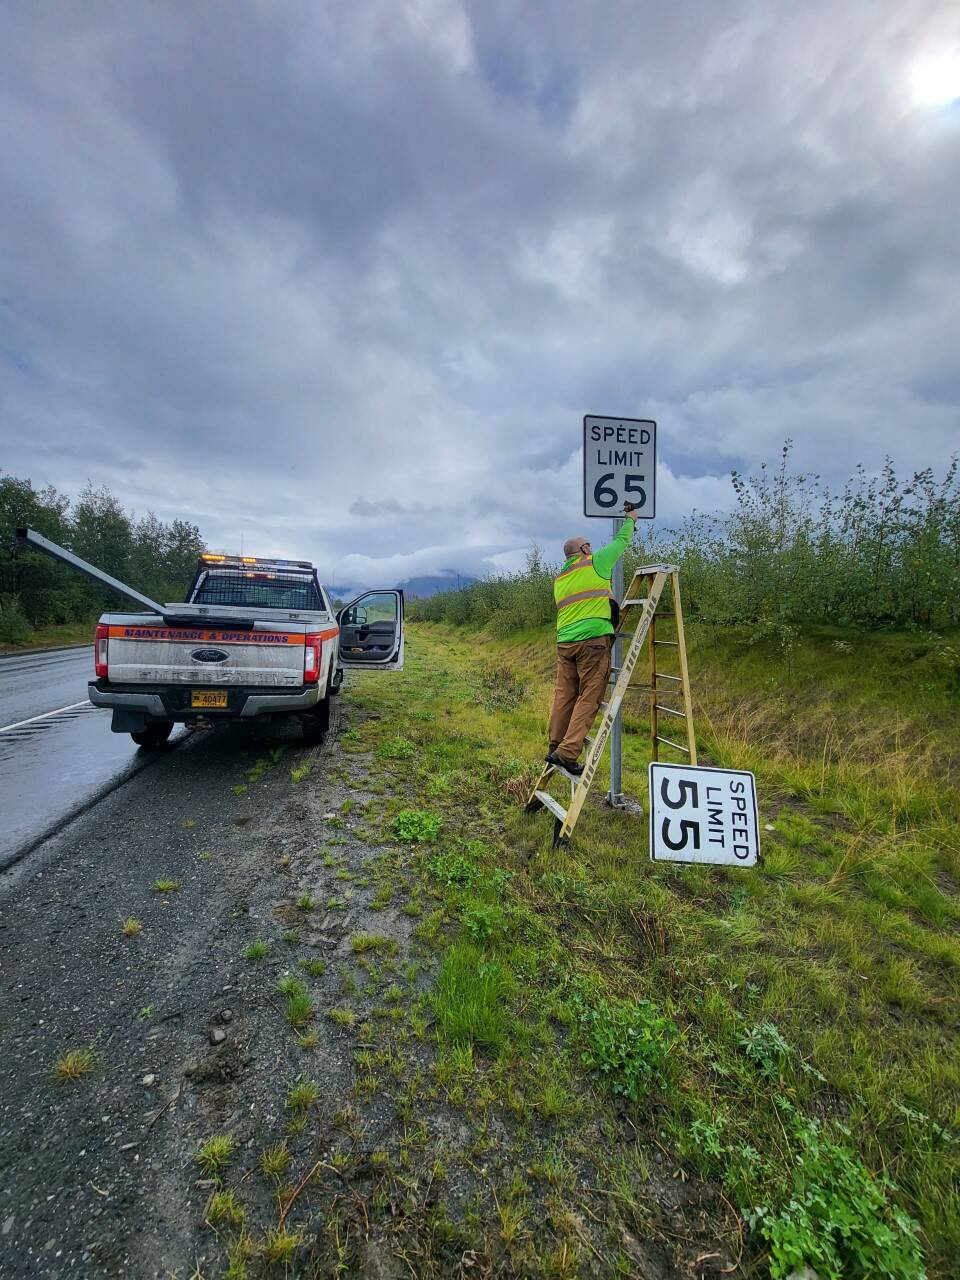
(619, 465)
(699, 814)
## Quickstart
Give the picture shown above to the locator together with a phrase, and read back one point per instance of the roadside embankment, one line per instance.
(371, 1023)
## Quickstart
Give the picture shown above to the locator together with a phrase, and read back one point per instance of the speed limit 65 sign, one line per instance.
(699, 814)
(619, 465)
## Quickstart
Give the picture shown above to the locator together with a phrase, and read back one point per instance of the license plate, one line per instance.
(208, 697)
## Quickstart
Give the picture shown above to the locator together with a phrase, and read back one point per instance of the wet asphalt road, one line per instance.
(53, 765)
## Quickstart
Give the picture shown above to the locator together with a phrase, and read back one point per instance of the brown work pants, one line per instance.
(582, 670)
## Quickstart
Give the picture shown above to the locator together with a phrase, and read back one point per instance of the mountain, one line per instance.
(431, 584)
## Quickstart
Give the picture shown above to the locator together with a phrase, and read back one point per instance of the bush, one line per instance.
(14, 628)
(881, 552)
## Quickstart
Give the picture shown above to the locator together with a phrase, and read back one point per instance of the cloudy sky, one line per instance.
(344, 277)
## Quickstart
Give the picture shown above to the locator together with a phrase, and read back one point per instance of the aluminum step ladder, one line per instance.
(638, 608)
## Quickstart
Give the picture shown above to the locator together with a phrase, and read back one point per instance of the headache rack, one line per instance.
(256, 589)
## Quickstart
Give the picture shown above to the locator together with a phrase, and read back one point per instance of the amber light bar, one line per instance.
(210, 557)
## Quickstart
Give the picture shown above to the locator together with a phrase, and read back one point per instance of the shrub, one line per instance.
(884, 551)
(14, 627)
(484, 923)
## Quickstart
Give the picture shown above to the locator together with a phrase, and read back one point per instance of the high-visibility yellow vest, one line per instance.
(580, 593)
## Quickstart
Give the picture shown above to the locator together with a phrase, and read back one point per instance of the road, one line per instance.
(98, 1179)
(56, 750)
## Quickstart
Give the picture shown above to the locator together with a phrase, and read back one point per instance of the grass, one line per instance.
(131, 927)
(552, 1021)
(745, 1006)
(258, 950)
(298, 1010)
(74, 1064)
(165, 885)
(215, 1154)
(274, 1160)
(303, 1095)
(342, 1017)
(280, 1245)
(225, 1209)
(363, 942)
(469, 997)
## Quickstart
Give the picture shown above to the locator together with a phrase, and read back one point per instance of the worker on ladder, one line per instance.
(586, 617)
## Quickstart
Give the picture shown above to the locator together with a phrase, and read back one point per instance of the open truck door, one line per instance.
(371, 631)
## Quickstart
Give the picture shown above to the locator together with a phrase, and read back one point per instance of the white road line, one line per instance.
(46, 716)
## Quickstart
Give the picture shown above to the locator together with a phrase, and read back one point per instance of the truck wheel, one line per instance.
(316, 724)
(154, 735)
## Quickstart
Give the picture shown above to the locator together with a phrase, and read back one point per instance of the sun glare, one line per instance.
(935, 79)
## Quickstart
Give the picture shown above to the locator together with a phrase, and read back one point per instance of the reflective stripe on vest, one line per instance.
(599, 594)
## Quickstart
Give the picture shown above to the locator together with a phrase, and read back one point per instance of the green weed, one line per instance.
(626, 1043)
(417, 826)
(837, 1218)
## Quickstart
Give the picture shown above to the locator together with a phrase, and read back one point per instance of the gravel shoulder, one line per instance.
(98, 1175)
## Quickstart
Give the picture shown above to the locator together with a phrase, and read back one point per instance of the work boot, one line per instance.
(571, 766)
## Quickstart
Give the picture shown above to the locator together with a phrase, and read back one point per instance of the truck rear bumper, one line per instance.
(172, 703)
(151, 704)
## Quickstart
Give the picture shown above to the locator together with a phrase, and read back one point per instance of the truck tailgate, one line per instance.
(139, 654)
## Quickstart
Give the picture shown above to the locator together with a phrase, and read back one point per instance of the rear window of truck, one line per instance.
(257, 590)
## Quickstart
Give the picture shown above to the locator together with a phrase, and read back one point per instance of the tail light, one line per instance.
(100, 643)
(312, 648)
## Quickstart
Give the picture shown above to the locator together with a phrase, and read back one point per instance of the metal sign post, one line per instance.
(615, 794)
(619, 465)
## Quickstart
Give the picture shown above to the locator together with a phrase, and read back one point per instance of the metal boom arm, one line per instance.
(30, 538)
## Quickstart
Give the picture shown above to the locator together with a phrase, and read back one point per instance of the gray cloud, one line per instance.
(283, 269)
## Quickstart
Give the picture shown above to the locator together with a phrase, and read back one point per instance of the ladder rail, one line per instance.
(656, 578)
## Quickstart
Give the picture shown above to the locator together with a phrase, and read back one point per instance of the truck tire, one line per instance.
(316, 724)
(154, 735)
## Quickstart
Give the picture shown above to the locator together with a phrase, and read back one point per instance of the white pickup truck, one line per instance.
(255, 639)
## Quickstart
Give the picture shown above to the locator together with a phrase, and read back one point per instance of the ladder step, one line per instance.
(666, 644)
(662, 675)
(548, 802)
(681, 715)
(667, 743)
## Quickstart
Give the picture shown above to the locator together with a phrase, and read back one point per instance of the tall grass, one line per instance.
(881, 552)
